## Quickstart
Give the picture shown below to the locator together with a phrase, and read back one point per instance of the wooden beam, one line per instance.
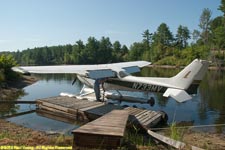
(172, 142)
(169, 141)
(17, 102)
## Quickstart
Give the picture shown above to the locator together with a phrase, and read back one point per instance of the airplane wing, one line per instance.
(91, 71)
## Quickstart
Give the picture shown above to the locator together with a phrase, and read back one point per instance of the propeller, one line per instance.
(74, 81)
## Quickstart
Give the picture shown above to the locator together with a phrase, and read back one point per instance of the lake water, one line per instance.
(206, 108)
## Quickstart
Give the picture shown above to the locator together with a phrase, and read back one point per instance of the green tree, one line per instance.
(136, 51)
(77, 51)
(117, 53)
(104, 52)
(163, 35)
(124, 50)
(162, 41)
(90, 53)
(195, 35)
(183, 34)
(218, 35)
(222, 7)
(204, 24)
(147, 38)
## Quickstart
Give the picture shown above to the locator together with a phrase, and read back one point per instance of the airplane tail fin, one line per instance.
(193, 73)
(187, 80)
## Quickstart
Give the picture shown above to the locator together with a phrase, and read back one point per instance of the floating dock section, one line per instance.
(73, 109)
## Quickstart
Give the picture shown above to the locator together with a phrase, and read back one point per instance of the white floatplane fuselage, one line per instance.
(179, 87)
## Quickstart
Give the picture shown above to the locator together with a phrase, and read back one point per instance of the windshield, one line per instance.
(123, 74)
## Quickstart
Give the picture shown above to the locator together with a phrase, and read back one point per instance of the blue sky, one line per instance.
(35, 23)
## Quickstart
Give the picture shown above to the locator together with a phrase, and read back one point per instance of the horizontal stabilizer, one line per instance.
(178, 95)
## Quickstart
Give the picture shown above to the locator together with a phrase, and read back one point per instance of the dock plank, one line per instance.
(152, 121)
(149, 116)
(104, 109)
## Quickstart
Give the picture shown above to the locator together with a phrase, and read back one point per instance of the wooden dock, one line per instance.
(69, 110)
(104, 132)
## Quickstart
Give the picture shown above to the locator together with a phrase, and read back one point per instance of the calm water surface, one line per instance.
(207, 107)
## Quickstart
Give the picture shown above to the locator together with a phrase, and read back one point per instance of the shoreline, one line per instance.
(14, 88)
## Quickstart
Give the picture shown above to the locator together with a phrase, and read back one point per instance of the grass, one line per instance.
(176, 133)
(4, 134)
(133, 137)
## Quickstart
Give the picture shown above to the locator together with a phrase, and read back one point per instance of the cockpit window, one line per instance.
(123, 74)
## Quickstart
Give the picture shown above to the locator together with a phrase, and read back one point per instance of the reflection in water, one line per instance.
(56, 77)
(10, 108)
(207, 107)
(213, 96)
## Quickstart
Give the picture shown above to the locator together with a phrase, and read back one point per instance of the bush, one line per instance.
(6, 63)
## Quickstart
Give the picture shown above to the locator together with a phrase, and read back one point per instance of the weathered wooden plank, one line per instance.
(111, 124)
(127, 108)
(62, 101)
(149, 116)
(102, 130)
(95, 105)
(56, 111)
(130, 109)
(89, 104)
(59, 99)
(152, 120)
(58, 107)
(79, 104)
(174, 143)
(140, 113)
(143, 115)
(135, 111)
(57, 116)
(78, 115)
(102, 110)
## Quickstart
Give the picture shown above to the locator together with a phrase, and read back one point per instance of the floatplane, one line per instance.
(117, 76)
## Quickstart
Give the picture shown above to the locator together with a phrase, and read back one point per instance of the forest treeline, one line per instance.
(160, 47)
